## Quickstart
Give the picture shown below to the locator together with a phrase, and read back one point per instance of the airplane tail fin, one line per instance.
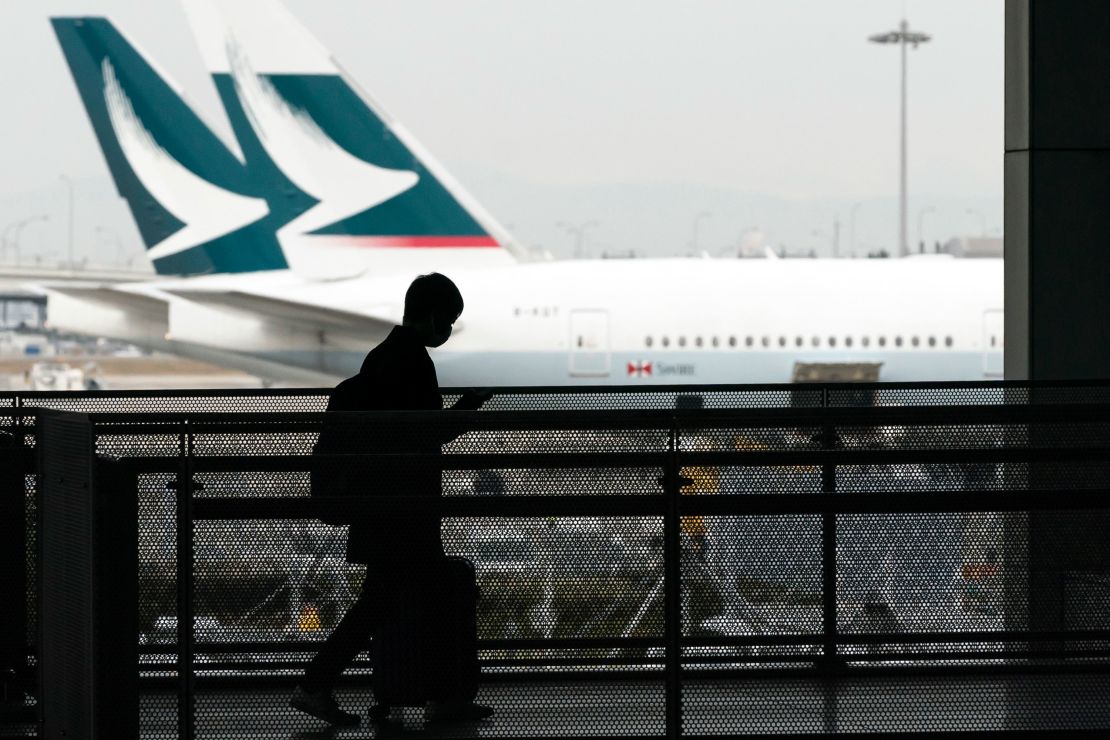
(362, 194)
(193, 199)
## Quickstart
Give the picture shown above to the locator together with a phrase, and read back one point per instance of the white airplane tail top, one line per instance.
(357, 192)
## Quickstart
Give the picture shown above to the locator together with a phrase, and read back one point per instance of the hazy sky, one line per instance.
(780, 98)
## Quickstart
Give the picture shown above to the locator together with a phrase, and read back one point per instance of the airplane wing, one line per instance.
(123, 311)
(292, 312)
(227, 324)
(111, 296)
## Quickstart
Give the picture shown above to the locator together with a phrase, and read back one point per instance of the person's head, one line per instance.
(432, 304)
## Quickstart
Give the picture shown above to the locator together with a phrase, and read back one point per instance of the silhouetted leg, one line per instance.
(349, 637)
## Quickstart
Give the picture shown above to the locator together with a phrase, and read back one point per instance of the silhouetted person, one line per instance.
(401, 549)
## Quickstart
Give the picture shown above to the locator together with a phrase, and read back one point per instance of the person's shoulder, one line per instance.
(347, 394)
(347, 385)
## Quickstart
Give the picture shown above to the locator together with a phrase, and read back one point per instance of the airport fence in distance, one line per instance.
(675, 561)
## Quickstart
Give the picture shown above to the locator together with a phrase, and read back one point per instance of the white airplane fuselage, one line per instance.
(679, 320)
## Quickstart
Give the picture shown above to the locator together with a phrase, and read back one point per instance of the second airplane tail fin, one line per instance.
(375, 197)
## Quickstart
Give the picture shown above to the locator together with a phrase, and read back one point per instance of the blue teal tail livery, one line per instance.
(199, 209)
(324, 183)
(306, 128)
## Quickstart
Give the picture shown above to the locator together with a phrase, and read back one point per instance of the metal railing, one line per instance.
(832, 496)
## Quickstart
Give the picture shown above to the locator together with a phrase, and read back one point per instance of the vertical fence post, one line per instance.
(828, 545)
(829, 662)
(185, 688)
(672, 590)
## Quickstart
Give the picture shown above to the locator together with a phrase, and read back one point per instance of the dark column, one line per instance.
(13, 574)
(1057, 281)
(1057, 189)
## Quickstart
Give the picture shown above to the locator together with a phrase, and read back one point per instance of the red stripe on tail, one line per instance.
(418, 242)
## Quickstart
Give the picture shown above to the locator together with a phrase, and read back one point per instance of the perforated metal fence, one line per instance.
(680, 562)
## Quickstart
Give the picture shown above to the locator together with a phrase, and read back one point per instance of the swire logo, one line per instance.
(639, 369)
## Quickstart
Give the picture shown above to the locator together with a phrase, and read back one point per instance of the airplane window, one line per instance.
(647, 341)
(915, 341)
(682, 341)
(579, 341)
(716, 341)
(782, 341)
(994, 341)
(817, 341)
(882, 341)
(798, 341)
(748, 341)
(932, 341)
(766, 341)
(832, 341)
(948, 341)
(865, 341)
(898, 341)
(847, 341)
(697, 341)
(516, 311)
(732, 341)
(666, 342)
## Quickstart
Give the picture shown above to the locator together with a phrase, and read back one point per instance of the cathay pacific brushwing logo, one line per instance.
(343, 184)
(208, 212)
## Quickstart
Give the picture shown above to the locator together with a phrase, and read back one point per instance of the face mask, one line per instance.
(442, 338)
(439, 336)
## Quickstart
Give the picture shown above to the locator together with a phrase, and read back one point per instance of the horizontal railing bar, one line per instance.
(303, 463)
(688, 420)
(557, 643)
(867, 670)
(304, 507)
(813, 388)
(649, 459)
(895, 502)
(955, 414)
(213, 675)
(940, 655)
(894, 456)
(783, 640)
(214, 678)
(470, 506)
(849, 638)
(925, 638)
(977, 662)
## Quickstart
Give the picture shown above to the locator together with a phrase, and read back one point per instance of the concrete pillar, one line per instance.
(1057, 189)
(1057, 279)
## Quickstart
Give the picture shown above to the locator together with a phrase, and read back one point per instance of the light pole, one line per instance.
(982, 220)
(4, 238)
(852, 226)
(903, 37)
(69, 238)
(114, 236)
(17, 231)
(694, 237)
(825, 235)
(920, 218)
(578, 231)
